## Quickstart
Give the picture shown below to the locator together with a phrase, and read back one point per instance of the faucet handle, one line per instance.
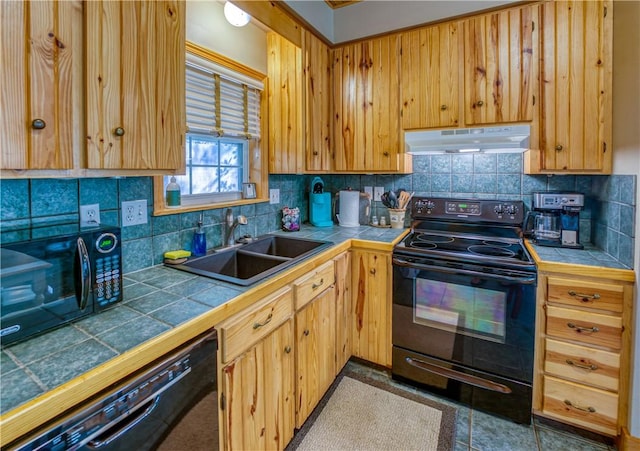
(242, 219)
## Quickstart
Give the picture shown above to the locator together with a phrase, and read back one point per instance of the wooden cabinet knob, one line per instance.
(443, 107)
(385, 153)
(287, 349)
(119, 131)
(372, 271)
(559, 147)
(315, 152)
(306, 332)
(479, 103)
(38, 124)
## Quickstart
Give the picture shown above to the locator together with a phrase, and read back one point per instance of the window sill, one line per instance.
(162, 210)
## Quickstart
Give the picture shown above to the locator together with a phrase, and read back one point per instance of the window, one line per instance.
(223, 117)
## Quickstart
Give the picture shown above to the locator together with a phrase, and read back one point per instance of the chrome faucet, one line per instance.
(231, 226)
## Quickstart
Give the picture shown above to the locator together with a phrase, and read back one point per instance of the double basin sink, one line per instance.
(249, 263)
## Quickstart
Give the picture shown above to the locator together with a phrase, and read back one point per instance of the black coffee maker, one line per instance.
(555, 219)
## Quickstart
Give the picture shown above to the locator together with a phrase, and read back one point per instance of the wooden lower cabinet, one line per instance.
(583, 350)
(315, 352)
(343, 309)
(371, 309)
(257, 394)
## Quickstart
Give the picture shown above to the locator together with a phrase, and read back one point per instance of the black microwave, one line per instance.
(51, 281)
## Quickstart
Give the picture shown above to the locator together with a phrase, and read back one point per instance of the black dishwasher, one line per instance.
(137, 413)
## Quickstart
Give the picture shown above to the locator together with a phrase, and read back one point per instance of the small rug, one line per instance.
(360, 413)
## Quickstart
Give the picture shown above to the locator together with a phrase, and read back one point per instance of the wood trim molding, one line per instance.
(334, 4)
(627, 441)
(222, 60)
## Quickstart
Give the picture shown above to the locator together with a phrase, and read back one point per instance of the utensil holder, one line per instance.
(396, 217)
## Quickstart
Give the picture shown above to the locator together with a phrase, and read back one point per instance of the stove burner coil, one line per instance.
(423, 244)
(495, 243)
(437, 239)
(493, 251)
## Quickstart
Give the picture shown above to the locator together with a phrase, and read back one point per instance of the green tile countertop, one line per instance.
(156, 300)
(589, 256)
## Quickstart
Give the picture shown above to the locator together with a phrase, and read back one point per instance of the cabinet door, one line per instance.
(371, 282)
(367, 105)
(430, 76)
(257, 391)
(500, 52)
(315, 352)
(317, 117)
(135, 75)
(576, 109)
(40, 76)
(343, 309)
(286, 106)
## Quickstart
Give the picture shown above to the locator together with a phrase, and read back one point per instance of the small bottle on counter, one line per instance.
(199, 245)
(383, 221)
(374, 220)
(173, 193)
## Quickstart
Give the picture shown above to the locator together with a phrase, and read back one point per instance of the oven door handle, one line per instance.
(524, 280)
(458, 376)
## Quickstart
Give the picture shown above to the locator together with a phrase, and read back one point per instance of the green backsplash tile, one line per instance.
(14, 199)
(50, 197)
(103, 191)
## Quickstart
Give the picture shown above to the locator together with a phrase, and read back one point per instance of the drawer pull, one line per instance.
(581, 329)
(585, 297)
(591, 366)
(584, 409)
(317, 285)
(266, 321)
(287, 349)
(372, 271)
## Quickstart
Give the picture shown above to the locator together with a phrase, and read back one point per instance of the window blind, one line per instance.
(218, 104)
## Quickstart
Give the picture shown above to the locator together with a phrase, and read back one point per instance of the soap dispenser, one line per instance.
(199, 246)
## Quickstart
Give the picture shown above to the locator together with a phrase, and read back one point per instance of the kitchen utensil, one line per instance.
(393, 199)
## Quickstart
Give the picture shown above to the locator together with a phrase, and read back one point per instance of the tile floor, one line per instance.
(479, 431)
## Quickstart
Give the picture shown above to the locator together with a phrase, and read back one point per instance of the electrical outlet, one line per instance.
(274, 196)
(90, 215)
(369, 190)
(377, 193)
(134, 212)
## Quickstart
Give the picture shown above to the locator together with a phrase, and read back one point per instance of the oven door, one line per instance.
(482, 318)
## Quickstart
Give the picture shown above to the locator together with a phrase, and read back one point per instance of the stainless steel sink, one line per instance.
(254, 261)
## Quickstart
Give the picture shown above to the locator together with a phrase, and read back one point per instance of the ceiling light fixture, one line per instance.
(235, 16)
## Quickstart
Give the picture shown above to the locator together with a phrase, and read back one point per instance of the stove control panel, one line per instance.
(469, 210)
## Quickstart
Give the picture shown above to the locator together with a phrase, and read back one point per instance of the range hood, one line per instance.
(506, 138)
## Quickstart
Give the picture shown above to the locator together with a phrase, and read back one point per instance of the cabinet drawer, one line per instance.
(309, 286)
(247, 328)
(583, 406)
(584, 327)
(587, 294)
(586, 365)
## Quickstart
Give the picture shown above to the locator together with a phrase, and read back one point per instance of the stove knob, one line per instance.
(498, 209)
(430, 205)
(511, 209)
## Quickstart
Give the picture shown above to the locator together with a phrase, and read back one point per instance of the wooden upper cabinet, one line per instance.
(286, 106)
(317, 85)
(135, 77)
(366, 112)
(576, 87)
(500, 54)
(430, 76)
(40, 76)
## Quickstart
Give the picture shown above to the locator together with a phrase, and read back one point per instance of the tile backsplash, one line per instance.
(608, 220)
